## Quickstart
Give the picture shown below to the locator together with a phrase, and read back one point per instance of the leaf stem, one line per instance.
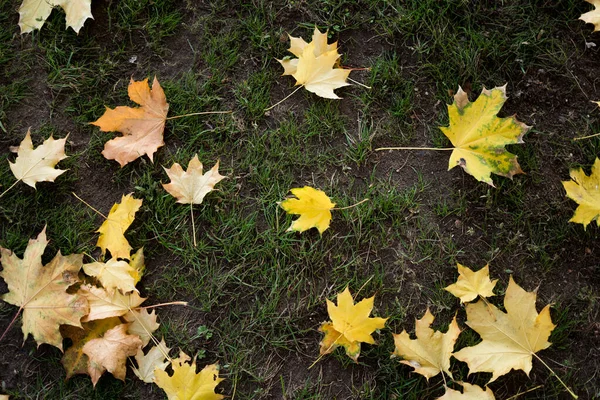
(359, 84)
(284, 99)
(587, 137)
(173, 303)
(557, 377)
(326, 351)
(415, 148)
(10, 187)
(352, 206)
(199, 113)
(527, 391)
(84, 202)
(193, 223)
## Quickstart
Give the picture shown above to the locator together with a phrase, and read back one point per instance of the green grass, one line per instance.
(256, 292)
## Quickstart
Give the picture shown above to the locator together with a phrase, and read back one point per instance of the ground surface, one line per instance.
(258, 290)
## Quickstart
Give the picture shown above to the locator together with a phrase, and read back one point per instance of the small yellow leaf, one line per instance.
(137, 263)
(479, 136)
(37, 165)
(297, 45)
(112, 231)
(470, 392)
(33, 13)
(142, 127)
(585, 190)
(429, 354)
(471, 284)
(149, 362)
(592, 17)
(186, 384)
(509, 340)
(192, 185)
(350, 324)
(312, 205)
(105, 304)
(143, 324)
(112, 274)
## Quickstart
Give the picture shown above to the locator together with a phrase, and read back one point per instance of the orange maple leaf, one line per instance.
(142, 127)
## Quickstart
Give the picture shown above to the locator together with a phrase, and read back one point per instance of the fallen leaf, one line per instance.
(479, 136)
(142, 324)
(112, 231)
(142, 127)
(470, 392)
(192, 185)
(471, 284)
(112, 274)
(592, 17)
(312, 205)
(350, 324)
(138, 264)
(429, 354)
(33, 13)
(148, 363)
(74, 360)
(509, 340)
(315, 66)
(110, 352)
(585, 190)
(186, 384)
(37, 165)
(104, 304)
(41, 291)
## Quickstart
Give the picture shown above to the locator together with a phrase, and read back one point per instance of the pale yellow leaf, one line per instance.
(585, 190)
(104, 304)
(33, 13)
(192, 185)
(592, 17)
(470, 392)
(112, 274)
(142, 324)
(149, 362)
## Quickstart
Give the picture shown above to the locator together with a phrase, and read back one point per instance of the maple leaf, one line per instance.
(142, 324)
(137, 263)
(509, 340)
(104, 304)
(585, 190)
(592, 17)
(471, 284)
(312, 205)
(297, 45)
(186, 384)
(33, 13)
(112, 274)
(112, 231)
(37, 165)
(470, 392)
(110, 352)
(350, 324)
(190, 187)
(314, 67)
(149, 362)
(429, 354)
(142, 127)
(479, 136)
(41, 291)
(74, 360)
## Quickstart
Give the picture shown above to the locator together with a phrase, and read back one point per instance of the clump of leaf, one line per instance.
(350, 325)
(585, 190)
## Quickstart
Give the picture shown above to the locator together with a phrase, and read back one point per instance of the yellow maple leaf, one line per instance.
(41, 291)
(312, 205)
(106, 304)
(110, 352)
(190, 187)
(112, 274)
(149, 362)
(33, 13)
(509, 340)
(350, 324)
(37, 165)
(470, 392)
(315, 66)
(471, 284)
(592, 17)
(429, 354)
(186, 384)
(112, 231)
(479, 136)
(142, 127)
(74, 360)
(585, 190)
(137, 263)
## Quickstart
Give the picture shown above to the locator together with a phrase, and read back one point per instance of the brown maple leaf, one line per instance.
(142, 127)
